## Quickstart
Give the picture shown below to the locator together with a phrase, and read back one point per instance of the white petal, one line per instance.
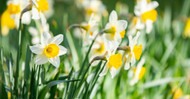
(149, 26)
(113, 16)
(153, 4)
(62, 50)
(133, 60)
(45, 38)
(104, 72)
(92, 22)
(55, 61)
(57, 39)
(41, 59)
(121, 25)
(37, 49)
(127, 66)
(26, 18)
(113, 72)
(35, 13)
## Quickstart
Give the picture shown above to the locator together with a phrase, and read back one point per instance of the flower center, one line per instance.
(122, 34)
(141, 74)
(51, 50)
(101, 48)
(115, 61)
(42, 5)
(87, 27)
(135, 20)
(137, 50)
(13, 9)
(151, 15)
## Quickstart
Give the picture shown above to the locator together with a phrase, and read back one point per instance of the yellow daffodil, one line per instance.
(138, 72)
(49, 49)
(114, 63)
(145, 10)
(135, 51)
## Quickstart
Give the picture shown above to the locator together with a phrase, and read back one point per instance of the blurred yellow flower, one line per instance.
(186, 32)
(177, 93)
(13, 8)
(151, 15)
(6, 22)
(42, 5)
(142, 71)
(115, 61)
(137, 50)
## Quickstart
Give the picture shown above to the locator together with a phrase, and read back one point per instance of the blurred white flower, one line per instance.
(145, 10)
(38, 7)
(134, 53)
(49, 49)
(113, 29)
(138, 72)
(135, 25)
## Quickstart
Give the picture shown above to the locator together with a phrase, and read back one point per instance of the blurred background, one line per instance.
(167, 50)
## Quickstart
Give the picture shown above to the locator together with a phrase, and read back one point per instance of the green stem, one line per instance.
(18, 60)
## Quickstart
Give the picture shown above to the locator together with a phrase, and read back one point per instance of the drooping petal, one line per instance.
(62, 50)
(55, 61)
(37, 49)
(113, 16)
(113, 72)
(35, 13)
(104, 72)
(57, 39)
(149, 26)
(121, 25)
(45, 38)
(41, 59)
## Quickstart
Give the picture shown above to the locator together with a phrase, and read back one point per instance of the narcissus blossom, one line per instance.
(38, 7)
(135, 51)
(115, 31)
(145, 10)
(114, 62)
(49, 49)
(138, 72)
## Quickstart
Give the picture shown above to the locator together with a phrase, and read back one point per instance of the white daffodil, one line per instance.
(115, 30)
(92, 6)
(114, 62)
(49, 49)
(35, 35)
(138, 72)
(145, 9)
(134, 53)
(89, 31)
(38, 7)
(135, 26)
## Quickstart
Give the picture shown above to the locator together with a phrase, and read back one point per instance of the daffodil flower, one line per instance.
(114, 31)
(138, 72)
(90, 30)
(38, 7)
(49, 49)
(10, 17)
(146, 11)
(114, 63)
(135, 51)
(135, 26)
